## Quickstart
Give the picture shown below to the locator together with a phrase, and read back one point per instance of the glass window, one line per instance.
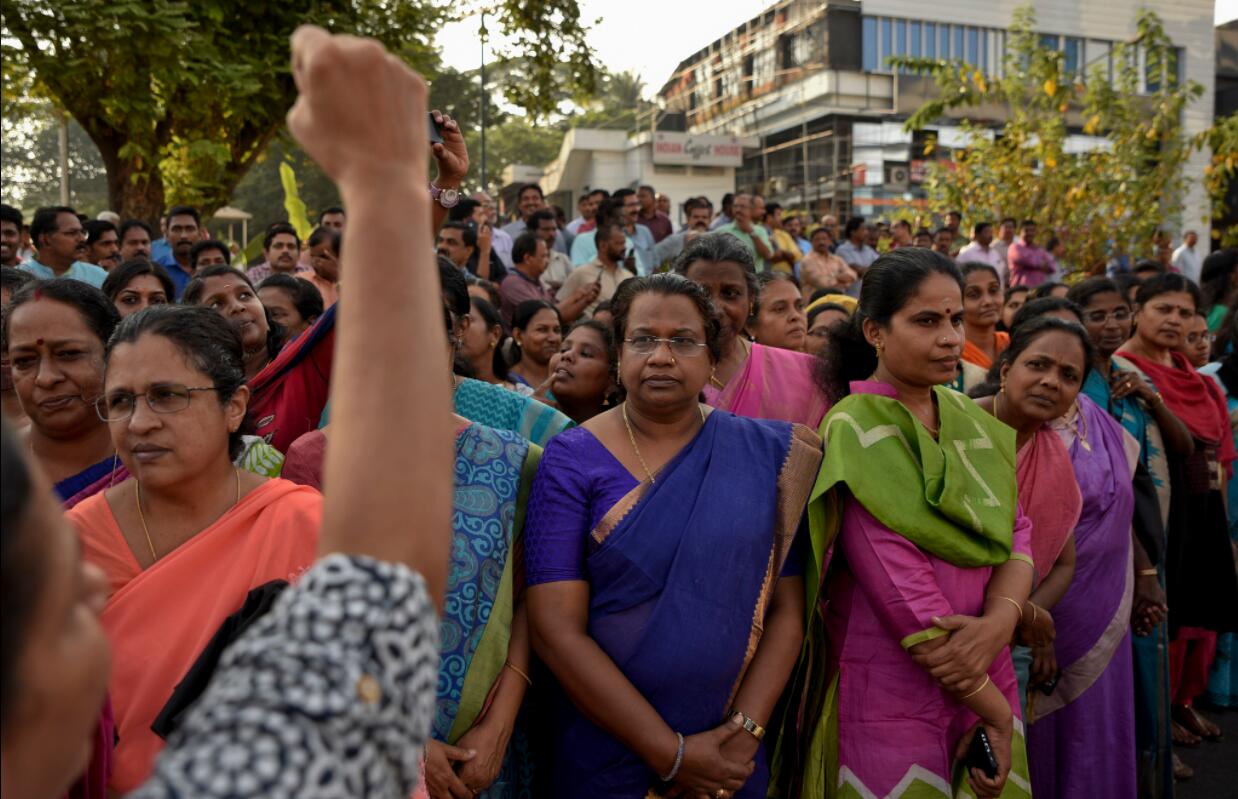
(887, 40)
(1072, 51)
(930, 40)
(958, 41)
(870, 44)
(973, 46)
(984, 50)
(943, 43)
(913, 44)
(1048, 41)
(900, 37)
(1174, 66)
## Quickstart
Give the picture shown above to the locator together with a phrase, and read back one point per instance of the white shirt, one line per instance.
(978, 254)
(1187, 261)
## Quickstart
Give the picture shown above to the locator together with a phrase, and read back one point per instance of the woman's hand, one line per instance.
(1001, 735)
(1123, 384)
(1044, 665)
(706, 769)
(489, 741)
(1148, 609)
(974, 643)
(442, 781)
(1037, 628)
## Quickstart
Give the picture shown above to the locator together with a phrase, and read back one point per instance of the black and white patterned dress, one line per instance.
(330, 694)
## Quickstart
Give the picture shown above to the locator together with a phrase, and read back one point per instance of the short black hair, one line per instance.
(527, 187)
(10, 214)
(196, 251)
(524, 246)
(279, 228)
(455, 287)
(333, 209)
(980, 227)
(536, 218)
(694, 203)
(1042, 306)
(306, 297)
(1028, 223)
(95, 228)
(1082, 293)
(130, 224)
(123, 275)
(943, 229)
(648, 188)
(853, 224)
(334, 239)
(95, 308)
(467, 232)
(44, 221)
(185, 210)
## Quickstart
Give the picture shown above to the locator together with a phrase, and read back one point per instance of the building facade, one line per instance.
(810, 81)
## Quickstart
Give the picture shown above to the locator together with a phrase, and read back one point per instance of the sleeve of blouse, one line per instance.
(556, 522)
(895, 575)
(329, 694)
(1021, 544)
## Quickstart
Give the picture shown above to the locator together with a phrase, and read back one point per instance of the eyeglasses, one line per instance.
(821, 332)
(116, 406)
(1100, 317)
(75, 233)
(679, 345)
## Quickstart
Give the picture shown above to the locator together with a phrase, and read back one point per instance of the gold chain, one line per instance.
(713, 376)
(631, 437)
(142, 517)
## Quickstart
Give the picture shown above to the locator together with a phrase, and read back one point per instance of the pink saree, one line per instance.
(774, 384)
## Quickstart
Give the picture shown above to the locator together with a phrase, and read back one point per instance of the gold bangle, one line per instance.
(978, 690)
(1148, 573)
(1017, 606)
(1035, 612)
(749, 724)
(512, 666)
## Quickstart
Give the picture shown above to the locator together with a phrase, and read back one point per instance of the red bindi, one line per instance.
(38, 342)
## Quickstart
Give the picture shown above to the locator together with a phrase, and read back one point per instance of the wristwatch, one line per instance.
(444, 197)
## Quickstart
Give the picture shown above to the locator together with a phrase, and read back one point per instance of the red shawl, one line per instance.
(1049, 495)
(1193, 398)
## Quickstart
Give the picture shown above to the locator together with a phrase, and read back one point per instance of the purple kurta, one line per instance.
(1081, 738)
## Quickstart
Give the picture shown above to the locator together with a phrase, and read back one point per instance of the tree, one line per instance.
(180, 106)
(1107, 201)
(1221, 174)
(30, 168)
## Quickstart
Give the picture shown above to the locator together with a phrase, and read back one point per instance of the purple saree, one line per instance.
(1081, 738)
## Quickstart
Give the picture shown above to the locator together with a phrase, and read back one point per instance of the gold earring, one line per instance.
(1002, 390)
(879, 347)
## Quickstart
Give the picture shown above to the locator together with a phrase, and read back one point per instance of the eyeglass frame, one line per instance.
(696, 346)
(100, 402)
(1087, 315)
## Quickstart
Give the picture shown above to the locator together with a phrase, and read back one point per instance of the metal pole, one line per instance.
(483, 181)
(64, 159)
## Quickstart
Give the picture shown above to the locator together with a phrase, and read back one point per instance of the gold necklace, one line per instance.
(1078, 425)
(713, 377)
(623, 409)
(142, 517)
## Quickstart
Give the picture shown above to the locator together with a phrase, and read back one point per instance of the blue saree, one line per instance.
(495, 406)
(681, 572)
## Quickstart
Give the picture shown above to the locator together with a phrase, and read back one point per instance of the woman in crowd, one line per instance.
(1201, 581)
(187, 538)
(1012, 301)
(821, 317)
(645, 543)
(288, 387)
(538, 332)
(779, 320)
(1037, 379)
(482, 344)
(1197, 343)
(583, 373)
(324, 245)
(485, 290)
(136, 284)
(1047, 290)
(294, 304)
(1218, 285)
(927, 586)
(982, 310)
(749, 379)
(10, 404)
(56, 332)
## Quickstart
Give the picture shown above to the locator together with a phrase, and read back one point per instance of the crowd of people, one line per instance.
(733, 504)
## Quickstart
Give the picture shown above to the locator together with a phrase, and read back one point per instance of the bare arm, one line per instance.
(401, 435)
(571, 308)
(452, 158)
(776, 654)
(1053, 587)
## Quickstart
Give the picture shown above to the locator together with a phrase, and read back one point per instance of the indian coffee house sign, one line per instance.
(686, 148)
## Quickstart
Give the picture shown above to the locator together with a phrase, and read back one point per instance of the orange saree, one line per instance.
(159, 619)
(977, 356)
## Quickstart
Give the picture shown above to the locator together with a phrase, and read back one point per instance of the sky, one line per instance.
(632, 41)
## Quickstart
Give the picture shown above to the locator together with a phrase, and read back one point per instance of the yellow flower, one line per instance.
(1092, 125)
(1050, 87)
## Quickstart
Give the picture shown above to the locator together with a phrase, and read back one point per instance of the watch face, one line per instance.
(448, 197)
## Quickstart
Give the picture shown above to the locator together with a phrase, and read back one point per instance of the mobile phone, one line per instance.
(1047, 686)
(436, 132)
(980, 755)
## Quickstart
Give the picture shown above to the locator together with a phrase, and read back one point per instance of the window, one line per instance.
(913, 45)
(870, 44)
(1073, 50)
(984, 51)
(958, 41)
(930, 40)
(973, 47)
(943, 43)
(1048, 41)
(887, 40)
(900, 37)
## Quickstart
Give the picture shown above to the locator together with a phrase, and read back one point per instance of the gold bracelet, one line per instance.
(1017, 606)
(749, 724)
(1035, 613)
(512, 666)
(1148, 573)
(978, 690)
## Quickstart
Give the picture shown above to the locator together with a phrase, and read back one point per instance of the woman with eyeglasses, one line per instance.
(664, 585)
(1197, 343)
(185, 540)
(749, 379)
(1202, 586)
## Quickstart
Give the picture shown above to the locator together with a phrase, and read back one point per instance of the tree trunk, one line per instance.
(132, 192)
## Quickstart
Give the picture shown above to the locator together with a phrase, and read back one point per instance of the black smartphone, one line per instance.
(1047, 686)
(980, 755)
(436, 132)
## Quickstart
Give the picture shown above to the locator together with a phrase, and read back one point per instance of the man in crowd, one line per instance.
(211, 252)
(659, 224)
(830, 223)
(981, 249)
(700, 212)
(160, 248)
(900, 234)
(923, 238)
(943, 241)
(281, 248)
(134, 240)
(558, 266)
(1029, 264)
(664, 205)
(795, 226)
(102, 244)
(529, 200)
(10, 236)
(1185, 259)
(1005, 237)
(855, 251)
(531, 254)
(332, 217)
(724, 216)
(183, 232)
(57, 234)
(463, 244)
(1163, 249)
(747, 231)
(605, 272)
(786, 251)
(642, 238)
(500, 241)
(586, 207)
(953, 220)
